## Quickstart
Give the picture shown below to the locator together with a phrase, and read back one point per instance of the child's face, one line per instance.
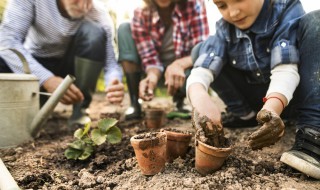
(241, 13)
(76, 8)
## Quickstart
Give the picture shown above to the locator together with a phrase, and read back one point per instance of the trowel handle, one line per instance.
(51, 103)
(6, 180)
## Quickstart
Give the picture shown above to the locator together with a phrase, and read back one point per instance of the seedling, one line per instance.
(88, 138)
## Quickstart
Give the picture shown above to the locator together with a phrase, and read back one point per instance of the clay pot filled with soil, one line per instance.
(212, 147)
(115, 115)
(209, 158)
(154, 118)
(150, 151)
(177, 143)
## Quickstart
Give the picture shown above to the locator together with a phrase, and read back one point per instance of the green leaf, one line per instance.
(114, 135)
(87, 140)
(98, 137)
(105, 124)
(72, 153)
(86, 128)
(78, 133)
(86, 153)
(78, 144)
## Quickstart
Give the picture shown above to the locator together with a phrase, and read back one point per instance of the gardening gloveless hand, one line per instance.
(271, 131)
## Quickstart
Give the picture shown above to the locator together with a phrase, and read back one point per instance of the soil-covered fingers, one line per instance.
(195, 119)
(267, 139)
(268, 134)
(146, 90)
(270, 122)
(264, 116)
(260, 145)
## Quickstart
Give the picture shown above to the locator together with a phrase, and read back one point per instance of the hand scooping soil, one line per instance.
(207, 132)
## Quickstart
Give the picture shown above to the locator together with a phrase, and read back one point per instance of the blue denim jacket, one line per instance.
(270, 41)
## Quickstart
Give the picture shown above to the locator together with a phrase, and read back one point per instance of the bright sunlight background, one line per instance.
(124, 10)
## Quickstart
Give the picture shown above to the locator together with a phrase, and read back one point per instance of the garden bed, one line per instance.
(42, 165)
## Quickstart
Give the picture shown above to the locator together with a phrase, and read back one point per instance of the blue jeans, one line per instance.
(241, 96)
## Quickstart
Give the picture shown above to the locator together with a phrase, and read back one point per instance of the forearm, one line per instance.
(284, 80)
(195, 91)
(275, 102)
(184, 62)
(154, 74)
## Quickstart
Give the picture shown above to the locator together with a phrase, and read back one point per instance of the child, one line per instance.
(264, 59)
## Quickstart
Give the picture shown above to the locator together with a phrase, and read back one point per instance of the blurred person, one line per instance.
(158, 42)
(58, 38)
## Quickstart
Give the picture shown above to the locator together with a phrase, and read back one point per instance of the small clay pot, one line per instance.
(115, 115)
(154, 118)
(177, 143)
(208, 158)
(150, 151)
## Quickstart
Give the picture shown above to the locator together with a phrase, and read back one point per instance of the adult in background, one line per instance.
(158, 41)
(58, 38)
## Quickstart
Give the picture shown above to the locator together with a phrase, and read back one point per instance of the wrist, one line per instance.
(275, 102)
(185, 62)
(154, 74)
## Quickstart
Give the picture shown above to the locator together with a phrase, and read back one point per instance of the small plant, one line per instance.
(87, 138)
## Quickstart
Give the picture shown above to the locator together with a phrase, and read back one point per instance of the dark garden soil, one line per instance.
(41, 164)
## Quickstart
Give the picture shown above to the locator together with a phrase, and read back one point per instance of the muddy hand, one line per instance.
(206, 130)
(271, 131)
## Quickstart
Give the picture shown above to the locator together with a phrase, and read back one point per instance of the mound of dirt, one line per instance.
(41, 164)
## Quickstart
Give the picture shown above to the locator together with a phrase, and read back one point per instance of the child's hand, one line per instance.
(271, 131)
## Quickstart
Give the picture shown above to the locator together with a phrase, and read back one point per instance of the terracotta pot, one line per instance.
(177, 143)
(154, 118)
(150, 151)
(115, 115)
(208, 158)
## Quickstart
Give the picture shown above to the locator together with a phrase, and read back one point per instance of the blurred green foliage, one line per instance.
(161, 90)
(2, 6)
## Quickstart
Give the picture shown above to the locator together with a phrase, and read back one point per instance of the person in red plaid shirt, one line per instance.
(159, 41)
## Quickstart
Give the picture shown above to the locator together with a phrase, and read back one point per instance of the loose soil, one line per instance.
(41, 164)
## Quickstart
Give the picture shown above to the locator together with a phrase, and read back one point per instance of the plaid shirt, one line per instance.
(190, 26)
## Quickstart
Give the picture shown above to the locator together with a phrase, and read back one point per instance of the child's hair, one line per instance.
(152, 4)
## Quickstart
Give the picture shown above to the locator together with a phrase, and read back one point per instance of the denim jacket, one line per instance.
(270, 41)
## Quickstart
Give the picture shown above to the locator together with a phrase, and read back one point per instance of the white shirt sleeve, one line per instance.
(200, 75)
(284, 80)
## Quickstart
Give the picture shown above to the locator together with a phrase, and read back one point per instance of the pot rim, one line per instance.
(177, 136)
(211, 149)
(161, 136)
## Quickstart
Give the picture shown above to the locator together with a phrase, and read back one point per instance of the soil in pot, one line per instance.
(150, 151)
(212, 147)
(177, 143)
(154, 118)
(115, 115)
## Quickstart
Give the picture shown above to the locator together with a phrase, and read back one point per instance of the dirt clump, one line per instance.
(208, 132)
